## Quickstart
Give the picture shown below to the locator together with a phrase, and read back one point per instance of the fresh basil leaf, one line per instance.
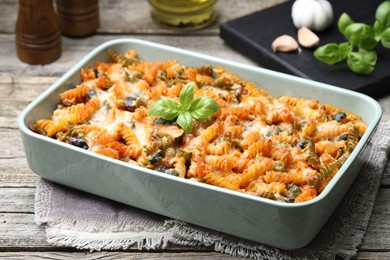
(369, 56)
(332, 53)
(203, 107)
(377, 30)
(187, 95)
(186, 121)
(343, 22)
(361, 35)
(164, 108)
(357, 63)
(382, 16)
(385, 38)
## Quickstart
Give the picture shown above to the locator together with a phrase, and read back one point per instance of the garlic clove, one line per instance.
(285, 43)
(307, 38)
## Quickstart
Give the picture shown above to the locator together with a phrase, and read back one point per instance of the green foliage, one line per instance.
(200, 108)
(362, 39)
(333, 53)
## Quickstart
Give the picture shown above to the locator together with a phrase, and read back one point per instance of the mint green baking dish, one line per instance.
(286, 226)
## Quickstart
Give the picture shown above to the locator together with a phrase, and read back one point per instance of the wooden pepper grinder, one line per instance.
(38, 36)
(78, 18)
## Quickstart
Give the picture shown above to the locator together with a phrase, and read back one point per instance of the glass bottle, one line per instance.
(183, 15)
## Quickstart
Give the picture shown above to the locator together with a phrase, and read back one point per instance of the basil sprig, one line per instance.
(200, 108)
(362, 39)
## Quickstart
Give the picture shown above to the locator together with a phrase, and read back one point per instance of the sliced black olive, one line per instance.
(130, 104)
(343, 137)
(301, 144)
(339, 116)
(95, 70)
(239, 92)
(78, 142)
(237, 144)
(179, 140)
(157, 157)
(91, 93)
(162, 121)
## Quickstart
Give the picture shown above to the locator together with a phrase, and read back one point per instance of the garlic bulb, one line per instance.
(313, 14)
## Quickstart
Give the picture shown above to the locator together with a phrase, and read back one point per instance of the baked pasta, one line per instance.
(281, 148)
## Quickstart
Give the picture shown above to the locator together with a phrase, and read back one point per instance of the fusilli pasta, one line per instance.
(281, 148)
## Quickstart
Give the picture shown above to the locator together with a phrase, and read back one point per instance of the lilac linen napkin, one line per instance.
(76, 219)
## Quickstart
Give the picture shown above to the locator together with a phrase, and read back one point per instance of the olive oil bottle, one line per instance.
(183, 14)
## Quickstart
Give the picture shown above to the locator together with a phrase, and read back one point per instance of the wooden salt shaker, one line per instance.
(38, 36)
(78, 18)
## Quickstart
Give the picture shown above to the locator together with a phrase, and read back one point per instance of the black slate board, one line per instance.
(252, 35)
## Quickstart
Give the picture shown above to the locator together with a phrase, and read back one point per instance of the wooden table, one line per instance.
(20, 83)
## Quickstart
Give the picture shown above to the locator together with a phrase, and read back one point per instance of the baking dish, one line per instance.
(286, 226)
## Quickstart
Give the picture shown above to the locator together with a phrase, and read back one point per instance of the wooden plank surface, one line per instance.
(133, 17)
(20, 218)
(20, 237)
(74, 49)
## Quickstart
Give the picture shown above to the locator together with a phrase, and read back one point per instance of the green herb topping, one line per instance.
(200, 108)
(362, 39)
